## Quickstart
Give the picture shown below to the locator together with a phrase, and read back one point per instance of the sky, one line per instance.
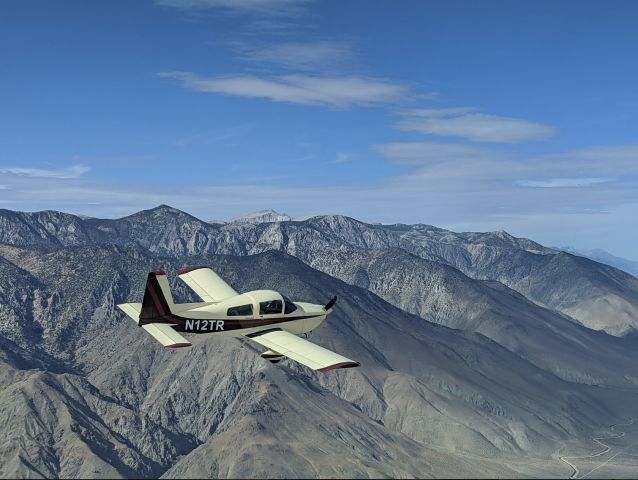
(471, 116)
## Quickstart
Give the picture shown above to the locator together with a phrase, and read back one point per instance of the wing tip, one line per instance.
(339, 365)
(180, 345)
(184, 270)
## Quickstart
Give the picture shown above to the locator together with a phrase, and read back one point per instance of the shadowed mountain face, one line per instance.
(86, 393)
(424, 398)
(607, 258)
(596, 295)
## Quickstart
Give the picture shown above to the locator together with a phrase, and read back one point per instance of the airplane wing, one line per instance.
(207, 284)
(300, 350)
(162, 332)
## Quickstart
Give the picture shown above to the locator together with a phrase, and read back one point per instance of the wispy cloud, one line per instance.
(614, 160)
(563, 182)
(299, 89)
(470, 124)
(432, 153)
(71, 172)
(267, 8)
(485, 185)
(216, 136)
(308, 56)
(577, 168)
(452, 186)
(344, 157)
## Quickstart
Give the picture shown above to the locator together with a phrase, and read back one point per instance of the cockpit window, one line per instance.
(290, 307)
(270, 307)
(241, 310)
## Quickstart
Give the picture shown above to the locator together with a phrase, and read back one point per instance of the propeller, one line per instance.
(331, 303)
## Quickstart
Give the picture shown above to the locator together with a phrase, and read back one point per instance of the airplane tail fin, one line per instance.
(157, 306)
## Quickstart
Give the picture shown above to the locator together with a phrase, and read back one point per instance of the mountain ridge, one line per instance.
(602, 256)
(602, 298)
(427, 398)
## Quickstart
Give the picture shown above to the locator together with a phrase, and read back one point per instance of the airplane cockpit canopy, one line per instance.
(266, 302)
(240, 310)
(289, 306)
(270, 307)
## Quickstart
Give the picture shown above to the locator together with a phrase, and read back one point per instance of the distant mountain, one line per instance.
(45, 228)
(607, 258)
(427, 400)
(262, 216)
(596, 295)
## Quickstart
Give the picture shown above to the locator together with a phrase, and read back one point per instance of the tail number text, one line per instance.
(204, 325)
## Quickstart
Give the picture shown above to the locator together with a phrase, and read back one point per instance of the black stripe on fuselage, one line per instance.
(211, 325)
(155, 309)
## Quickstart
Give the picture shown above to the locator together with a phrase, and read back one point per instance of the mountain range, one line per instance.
(591, 293)
(481, 354)
(602, 256)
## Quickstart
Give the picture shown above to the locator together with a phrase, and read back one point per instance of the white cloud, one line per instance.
(307, 56)
(298, 89)
(72, 172)
(480, 185)
(461, 203)
(437, 112)
(423, 153)
(452, 186)
(268, 8)
(467, 123)
(563, 182)
(583, 167)
(615, 160)
(343, 157)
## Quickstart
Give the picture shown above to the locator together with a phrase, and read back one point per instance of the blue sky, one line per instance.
(519, 116)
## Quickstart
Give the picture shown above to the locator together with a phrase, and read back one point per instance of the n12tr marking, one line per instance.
(205, 325)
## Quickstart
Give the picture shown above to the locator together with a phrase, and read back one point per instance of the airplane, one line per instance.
(262, 316)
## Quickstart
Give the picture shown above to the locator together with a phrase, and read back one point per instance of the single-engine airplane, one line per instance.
(263, 316)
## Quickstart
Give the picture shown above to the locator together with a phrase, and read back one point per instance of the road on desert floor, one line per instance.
(618, 450)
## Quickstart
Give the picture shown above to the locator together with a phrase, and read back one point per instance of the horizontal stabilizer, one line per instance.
(132, 310)
(300, 350)
(164, 333)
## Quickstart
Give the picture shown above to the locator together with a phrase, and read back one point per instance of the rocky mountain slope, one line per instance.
(599, 296)
(127, 407)
(607, 258)
(86, 393)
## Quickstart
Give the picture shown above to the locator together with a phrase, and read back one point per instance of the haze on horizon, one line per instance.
(468, 116)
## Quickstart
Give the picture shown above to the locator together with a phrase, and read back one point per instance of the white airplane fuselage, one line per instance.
(213, 318)
(236, 316)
